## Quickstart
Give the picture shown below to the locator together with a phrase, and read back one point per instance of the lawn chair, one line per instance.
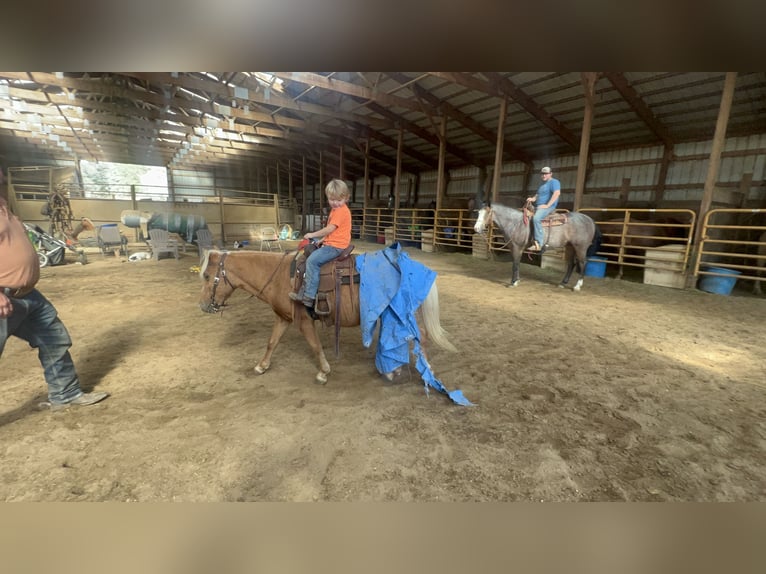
(161, 242)
(110, 240)
(269, 239)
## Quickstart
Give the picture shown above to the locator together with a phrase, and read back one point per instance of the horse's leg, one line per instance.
(308, 328)
(570, 255)
(516, 251)
(582, 255)
(279, 328)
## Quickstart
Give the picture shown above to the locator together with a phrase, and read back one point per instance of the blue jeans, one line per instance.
(35, 320)
(537, 226)
(315, 261)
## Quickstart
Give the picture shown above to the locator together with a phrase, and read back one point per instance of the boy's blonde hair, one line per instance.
(337, 189)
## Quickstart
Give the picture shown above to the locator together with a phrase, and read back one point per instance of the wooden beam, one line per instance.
(631, 96)
(714, 163)
(349, 89)
(499, 150)
(589, 85)
(464, 119)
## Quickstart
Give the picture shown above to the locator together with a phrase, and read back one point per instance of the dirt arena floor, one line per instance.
(621, 392)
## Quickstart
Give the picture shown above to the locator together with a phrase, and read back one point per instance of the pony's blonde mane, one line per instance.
(206, 260)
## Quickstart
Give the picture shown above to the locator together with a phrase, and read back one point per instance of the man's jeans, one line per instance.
(321, 256)
(537, 226)
(35, 320)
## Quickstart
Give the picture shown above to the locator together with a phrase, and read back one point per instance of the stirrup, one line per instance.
(317, 310)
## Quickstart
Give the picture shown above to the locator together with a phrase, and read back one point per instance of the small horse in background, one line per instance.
(576, 235)
(633, 238)
(266, 275)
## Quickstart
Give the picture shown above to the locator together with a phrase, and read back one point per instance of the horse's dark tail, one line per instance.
(595, 246)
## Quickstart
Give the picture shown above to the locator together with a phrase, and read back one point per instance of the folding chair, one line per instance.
(269, 237)
(110, 240)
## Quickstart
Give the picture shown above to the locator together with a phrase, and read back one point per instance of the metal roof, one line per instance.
(235, 120)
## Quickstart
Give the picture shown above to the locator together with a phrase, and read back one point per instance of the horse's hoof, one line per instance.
(259, 370)
(514, 283)
(321, 379)
(562, 285)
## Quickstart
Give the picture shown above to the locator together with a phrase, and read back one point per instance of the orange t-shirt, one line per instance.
(341, 236)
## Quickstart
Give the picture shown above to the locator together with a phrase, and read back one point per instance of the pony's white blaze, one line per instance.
(481, 220)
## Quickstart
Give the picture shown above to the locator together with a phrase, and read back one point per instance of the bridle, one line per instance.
(488, 222)
(220, 275)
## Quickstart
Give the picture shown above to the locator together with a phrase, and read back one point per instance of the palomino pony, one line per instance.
(267, 276)
(576, 235)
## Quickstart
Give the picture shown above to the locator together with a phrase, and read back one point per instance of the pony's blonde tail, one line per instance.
(430, 313)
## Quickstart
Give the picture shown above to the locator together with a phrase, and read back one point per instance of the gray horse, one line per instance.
(577, 235)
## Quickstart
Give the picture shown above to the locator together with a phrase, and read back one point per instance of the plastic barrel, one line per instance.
(596, 266)
(186, 225)
(717, 284)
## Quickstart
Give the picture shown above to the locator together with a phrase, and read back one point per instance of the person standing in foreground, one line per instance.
(546, 199)
(27, 314)
(334, 237)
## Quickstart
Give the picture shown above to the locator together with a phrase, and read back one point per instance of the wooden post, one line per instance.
(440, 180)
(624, 192)
(304, 196)
(715, 161)
(499, 149)
(589, 83)
(367, 187)
(659, 191)
(399, 143)
(744, 189)
(279, 181)
(321, 189)
(290, 194)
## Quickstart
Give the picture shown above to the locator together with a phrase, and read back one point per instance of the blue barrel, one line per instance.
(596, 266)
(717, 284)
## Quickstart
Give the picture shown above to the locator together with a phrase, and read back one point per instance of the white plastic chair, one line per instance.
(160, 242)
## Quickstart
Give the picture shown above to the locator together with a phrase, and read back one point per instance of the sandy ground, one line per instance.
(622, 392)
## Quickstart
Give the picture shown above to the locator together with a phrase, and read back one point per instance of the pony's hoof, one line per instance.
(259, 370)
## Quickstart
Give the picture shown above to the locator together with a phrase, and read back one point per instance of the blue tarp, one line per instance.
(392, 288)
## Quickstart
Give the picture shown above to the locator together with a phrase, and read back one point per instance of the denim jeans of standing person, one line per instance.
(35, 320)
(315, 261)
(537, 225)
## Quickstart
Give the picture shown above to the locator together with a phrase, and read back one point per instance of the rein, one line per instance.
(271, 277)
(491, 221)
(220, 274)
